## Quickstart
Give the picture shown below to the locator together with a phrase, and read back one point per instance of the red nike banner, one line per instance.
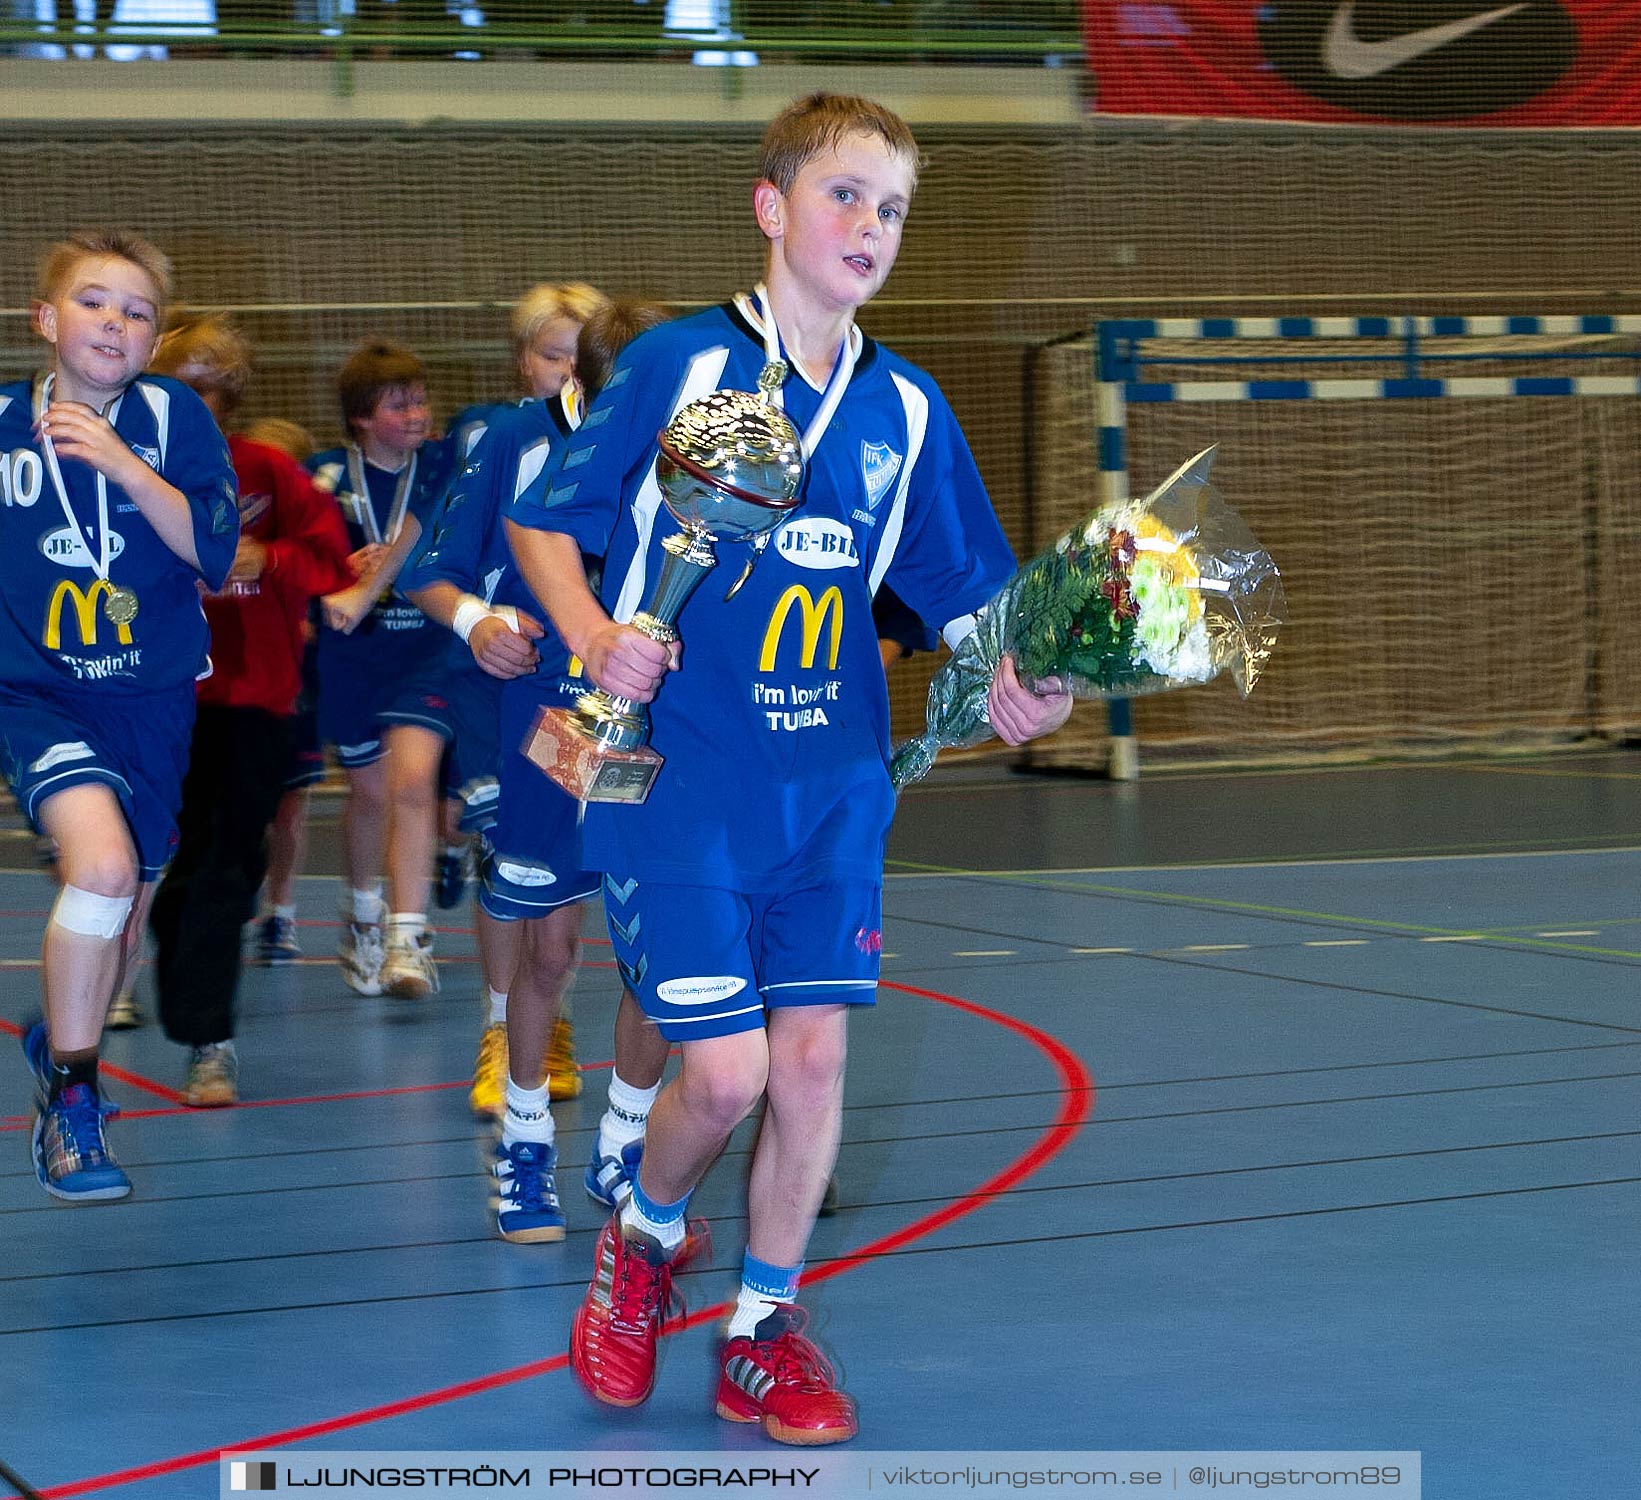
(1397, 62)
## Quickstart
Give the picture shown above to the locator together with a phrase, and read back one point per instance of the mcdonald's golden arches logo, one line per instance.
(85, 612)
(814, 616)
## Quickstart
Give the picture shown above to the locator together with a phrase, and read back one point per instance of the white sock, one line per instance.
(668, 1233)
(763, 1288)
(367, 905)
(751, 1308)
(626, 1118)
(527, 1117)
(406, 928)
(285, 913)
(498, 1007)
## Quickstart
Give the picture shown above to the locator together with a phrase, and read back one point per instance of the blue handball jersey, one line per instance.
(775, 729)
(54, 630)
(467, 427)
(506, 448)
(372, 501)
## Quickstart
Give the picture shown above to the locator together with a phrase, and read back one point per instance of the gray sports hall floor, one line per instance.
(1276, 1110)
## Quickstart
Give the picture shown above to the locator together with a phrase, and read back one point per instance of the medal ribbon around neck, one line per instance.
(120, 604)
(401, 496)
(757, 311)
(772, 377)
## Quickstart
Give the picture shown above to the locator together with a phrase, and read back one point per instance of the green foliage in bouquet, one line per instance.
(1075, 614)
(1138, 597)
(1069, 614)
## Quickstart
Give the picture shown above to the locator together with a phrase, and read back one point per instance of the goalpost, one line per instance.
(1454, 503)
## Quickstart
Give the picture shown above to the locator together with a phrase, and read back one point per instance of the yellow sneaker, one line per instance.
(563, 1073)
(489, 1096)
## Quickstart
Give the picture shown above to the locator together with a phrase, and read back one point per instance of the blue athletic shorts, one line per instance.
(358, 677)
(707, 962)
(136, 746)
(534, 862)
(463, 707)
(306, 766)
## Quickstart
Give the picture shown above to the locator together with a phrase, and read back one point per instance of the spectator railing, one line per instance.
(725, 32)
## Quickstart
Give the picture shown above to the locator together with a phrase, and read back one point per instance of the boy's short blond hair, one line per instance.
(546, 301)
(281, 433)
(817, 122)
(372, 369)
(608, 331)
(58, 263)
(212, 342)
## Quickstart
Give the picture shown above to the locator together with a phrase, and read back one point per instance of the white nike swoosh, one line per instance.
(1346, 55)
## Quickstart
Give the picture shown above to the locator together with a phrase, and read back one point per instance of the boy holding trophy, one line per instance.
(744, 891)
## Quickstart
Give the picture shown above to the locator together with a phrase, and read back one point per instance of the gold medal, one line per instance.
(772, 377)
(120, 605)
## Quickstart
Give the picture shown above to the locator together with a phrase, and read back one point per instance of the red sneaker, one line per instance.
(779, 1378)
(612, 1343)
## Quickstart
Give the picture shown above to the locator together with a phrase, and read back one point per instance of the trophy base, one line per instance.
(588, 771)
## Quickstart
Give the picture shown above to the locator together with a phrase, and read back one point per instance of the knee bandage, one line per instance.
(89, 914)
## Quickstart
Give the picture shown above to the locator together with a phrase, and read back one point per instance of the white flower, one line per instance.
(1164, 613)
(1194, 659)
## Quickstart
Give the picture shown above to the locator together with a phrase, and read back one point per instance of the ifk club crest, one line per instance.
(879, 463)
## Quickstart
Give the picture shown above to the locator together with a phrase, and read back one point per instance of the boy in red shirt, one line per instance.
(292, 547)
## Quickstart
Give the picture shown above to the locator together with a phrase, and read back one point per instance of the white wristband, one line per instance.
(508, 615)
(469, 612)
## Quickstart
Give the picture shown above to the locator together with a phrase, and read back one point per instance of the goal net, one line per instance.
(1452, 502)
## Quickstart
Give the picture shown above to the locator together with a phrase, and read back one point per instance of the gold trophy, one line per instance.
(730, 469)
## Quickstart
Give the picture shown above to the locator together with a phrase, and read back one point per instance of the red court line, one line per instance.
(174, 1096)
(136, 1080)
(1076, 1108)
(26, 1122)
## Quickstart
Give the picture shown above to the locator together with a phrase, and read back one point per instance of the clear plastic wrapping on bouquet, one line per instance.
(1140, 596)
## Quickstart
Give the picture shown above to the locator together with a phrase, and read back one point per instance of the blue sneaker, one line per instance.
(276, 941)
(71, 1157)
(527, 1211)
(38, 1053)
(609, 1179)
(451, 872)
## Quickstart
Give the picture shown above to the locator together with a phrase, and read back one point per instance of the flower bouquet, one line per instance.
(1141, 596)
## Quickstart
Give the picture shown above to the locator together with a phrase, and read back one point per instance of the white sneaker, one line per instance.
(360, 956)
(123, 1012)
(213, 1076)
(408, 971)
